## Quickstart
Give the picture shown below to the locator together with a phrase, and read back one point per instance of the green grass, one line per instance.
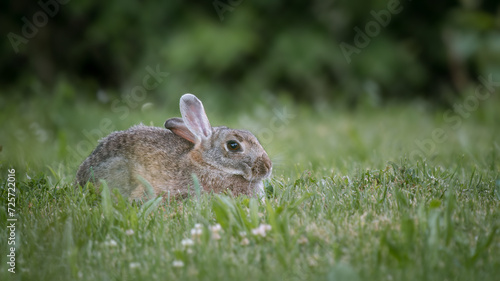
(347, 201)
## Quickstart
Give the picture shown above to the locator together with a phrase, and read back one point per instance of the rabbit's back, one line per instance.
(149, 152)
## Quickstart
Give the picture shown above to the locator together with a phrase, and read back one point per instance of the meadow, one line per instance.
(380, 192)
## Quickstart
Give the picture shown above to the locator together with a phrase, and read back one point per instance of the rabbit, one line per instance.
(221, 158)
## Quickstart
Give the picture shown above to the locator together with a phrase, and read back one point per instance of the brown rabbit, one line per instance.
(221, 158)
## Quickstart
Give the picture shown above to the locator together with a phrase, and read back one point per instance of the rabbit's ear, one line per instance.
(177, 126)
(195, 118)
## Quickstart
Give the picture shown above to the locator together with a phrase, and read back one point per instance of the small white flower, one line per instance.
(111, 243)
(196, 232)
(178, 263)
(261, 230)
(133, 265)
(245, 241)
(129, 232)
(187, 242)
(243, 233)
(216, 228)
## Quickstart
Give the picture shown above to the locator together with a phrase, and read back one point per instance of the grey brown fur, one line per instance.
(168, 157)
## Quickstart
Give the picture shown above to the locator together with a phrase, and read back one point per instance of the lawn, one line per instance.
(393, 192)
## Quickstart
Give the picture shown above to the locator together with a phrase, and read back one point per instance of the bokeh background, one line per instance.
(66, 66)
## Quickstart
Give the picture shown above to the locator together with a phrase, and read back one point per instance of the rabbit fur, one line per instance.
(167, 158)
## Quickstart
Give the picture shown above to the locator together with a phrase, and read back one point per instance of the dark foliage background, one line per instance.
(432, 50)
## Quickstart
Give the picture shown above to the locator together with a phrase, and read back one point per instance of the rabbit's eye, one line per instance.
(233, 145)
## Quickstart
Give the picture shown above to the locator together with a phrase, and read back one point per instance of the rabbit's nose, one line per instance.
(262, 167)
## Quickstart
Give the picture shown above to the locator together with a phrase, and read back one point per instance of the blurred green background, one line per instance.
(235, 48)
(65, 67)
